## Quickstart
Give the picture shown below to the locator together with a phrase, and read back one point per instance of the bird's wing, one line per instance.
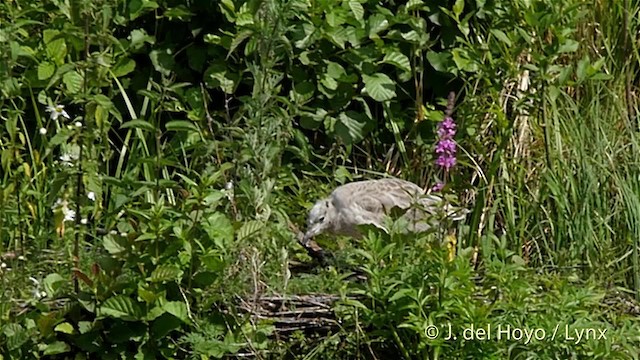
(378, 195)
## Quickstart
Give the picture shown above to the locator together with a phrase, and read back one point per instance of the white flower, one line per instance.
(43, 131)
(84, 221)
(43, 294)
(92, 196)
(63, 205)
(56, 111)
(78, 124)
(69, 215)
(66, 159)
(22, 258)
(229, 185)
(34, 281)
(3, 266)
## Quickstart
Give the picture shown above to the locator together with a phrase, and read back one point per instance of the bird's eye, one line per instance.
(321, 219)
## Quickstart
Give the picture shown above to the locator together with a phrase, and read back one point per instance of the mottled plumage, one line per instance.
(369, 202)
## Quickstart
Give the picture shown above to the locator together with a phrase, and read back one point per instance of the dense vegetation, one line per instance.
(157, 157)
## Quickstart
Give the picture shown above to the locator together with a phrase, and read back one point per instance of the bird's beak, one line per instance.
(311, 232)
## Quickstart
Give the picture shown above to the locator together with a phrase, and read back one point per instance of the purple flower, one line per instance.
(446, 161)
(447, 128)
(446, 146)
(438, 187)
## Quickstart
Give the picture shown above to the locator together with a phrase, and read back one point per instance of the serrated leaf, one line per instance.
(138, 124)
(73, 81)
(356, 9)
(45, 70)
(248, 228)
(121, 307)
(167, 272)
(379, 86)
(398, 59)
(56, 46)
(181, 125)
(377, 23)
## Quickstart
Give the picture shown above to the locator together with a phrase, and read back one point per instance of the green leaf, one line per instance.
(124, 67)
(458, 7)
(162, 61)
(248, 228)
(112, 245)
(377, 23)
(165, 273)
(439, 60)
(121, 307)
(45, 70)
(219, 229)
(357, 10)
(56, 46)
(351, 126)
(57, 347)
(238, 39)
(177, 309)
(500, 35)
(398, 59)
(181, 125)
(379, 86)
(568, 46)
(52, 283)
(65, 328)
(73, 81)
(138, 124)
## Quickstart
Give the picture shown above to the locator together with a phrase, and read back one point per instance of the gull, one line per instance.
(370, 202)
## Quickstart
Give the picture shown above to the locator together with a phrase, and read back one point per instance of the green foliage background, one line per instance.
(198, 131)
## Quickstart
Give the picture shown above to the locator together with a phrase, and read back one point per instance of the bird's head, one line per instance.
(319, 219)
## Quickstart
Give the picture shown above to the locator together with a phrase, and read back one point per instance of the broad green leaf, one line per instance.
(357, 9)
(379, 86)
(124, 67)
(121, 307)
(64, 327)
(52, 283)
(249, 228)
(166, 272)
(399, 60)
(73, 81)
(55, 44)
(219, 229)
(162, 61)
(335, 70)
(45, 70)
(377, 23)
(351, 126)
(177, 309)
(112, 245)
(57, 347)
(568, 46)
(439, 60)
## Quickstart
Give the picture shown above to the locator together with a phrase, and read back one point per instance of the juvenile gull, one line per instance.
(369, 202)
